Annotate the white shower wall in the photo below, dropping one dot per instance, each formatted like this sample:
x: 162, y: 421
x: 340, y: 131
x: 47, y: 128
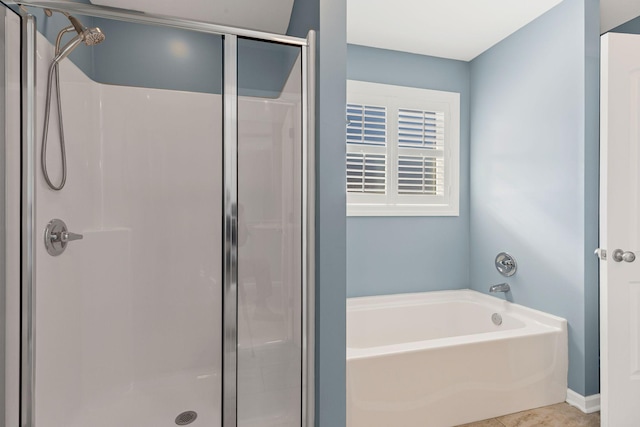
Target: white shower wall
x: 128, y: 320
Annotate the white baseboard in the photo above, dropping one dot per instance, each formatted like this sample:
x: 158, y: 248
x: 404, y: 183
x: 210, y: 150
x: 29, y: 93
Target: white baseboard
x: 587, y: 404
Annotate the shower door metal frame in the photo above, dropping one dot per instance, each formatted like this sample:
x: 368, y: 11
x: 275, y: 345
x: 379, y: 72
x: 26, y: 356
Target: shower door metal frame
x: 230, y: 234
x: 230, y: 190
x: 27, y: 256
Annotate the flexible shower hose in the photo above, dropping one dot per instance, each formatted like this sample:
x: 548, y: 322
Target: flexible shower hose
x: 53, y: 69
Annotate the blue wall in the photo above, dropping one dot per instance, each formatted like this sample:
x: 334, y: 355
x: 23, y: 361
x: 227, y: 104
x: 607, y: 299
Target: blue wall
x: 591, y: 195
x: 170, y: 58
x: 630, y: 27
x: 329, y: 18
x: 534, y: 160
x: 157, y: 57
x: 387, y: 255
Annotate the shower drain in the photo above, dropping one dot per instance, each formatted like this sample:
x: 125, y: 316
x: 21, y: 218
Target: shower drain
x: 187, y: 417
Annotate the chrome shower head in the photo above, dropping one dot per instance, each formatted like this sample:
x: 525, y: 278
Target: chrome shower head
x: 88, y: 36
x: 93, y: 36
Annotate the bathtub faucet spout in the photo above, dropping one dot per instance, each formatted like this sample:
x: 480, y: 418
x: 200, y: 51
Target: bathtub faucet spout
x: 502, y: 287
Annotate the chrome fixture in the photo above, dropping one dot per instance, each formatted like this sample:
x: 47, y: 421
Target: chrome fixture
x: 230, y: 237
x: 601, y: 254
x: 496, y: 319
x: 619, y: 255
x: 506, y: 264
x: 502, y: 287
x: 90, y: 37
x: 57, y: 236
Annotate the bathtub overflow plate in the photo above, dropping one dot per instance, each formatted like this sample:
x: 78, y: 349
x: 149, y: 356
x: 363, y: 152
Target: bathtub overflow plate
x: 496, y: 319
x: 506, y: 264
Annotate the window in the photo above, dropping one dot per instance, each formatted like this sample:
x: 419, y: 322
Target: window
x: 402, y: 151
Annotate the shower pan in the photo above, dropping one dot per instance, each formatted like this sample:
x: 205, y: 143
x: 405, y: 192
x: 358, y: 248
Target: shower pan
x: 179, y: 290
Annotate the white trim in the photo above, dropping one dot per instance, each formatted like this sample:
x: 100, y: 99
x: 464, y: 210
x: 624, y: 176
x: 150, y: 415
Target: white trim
x: 362, y: 209
x: 587, y: 404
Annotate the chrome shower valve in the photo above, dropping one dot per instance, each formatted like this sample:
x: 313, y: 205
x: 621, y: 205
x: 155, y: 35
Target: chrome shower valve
x: 57, y: 236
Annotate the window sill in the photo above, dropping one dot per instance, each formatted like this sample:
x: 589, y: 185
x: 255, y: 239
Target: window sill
x: 401, y: 210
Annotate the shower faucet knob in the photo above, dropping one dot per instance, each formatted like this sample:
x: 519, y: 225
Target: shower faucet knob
x: 57, y: 236
x: 506, y: 264
x: 68, y: 236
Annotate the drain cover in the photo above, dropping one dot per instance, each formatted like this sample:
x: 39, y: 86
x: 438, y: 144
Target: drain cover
x: 187, y: 417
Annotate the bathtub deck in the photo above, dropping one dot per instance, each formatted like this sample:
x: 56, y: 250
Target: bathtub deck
x: 559, y: 415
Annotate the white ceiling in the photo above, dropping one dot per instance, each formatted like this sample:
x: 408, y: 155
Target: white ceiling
x: 460, y: 29
x: 616, y: 12
x: 264, y: 15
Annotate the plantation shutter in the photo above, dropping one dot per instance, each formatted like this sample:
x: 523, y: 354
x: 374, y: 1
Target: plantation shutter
x: 421, y: 145
x: 366, y: 149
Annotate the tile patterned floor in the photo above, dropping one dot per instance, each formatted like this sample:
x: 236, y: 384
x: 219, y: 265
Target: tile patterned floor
x: 559, y: 415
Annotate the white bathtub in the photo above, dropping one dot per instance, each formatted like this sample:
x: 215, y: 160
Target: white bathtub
x: 436, y: 359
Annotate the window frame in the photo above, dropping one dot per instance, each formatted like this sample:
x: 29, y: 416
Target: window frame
x: 395, y: 98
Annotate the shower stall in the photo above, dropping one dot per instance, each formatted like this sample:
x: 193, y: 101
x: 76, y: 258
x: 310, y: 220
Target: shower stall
x: 157, y: 258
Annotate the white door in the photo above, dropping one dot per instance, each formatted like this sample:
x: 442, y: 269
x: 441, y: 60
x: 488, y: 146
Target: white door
x: 620, y: 230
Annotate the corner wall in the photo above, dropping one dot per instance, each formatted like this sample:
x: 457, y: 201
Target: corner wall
x: 329, y: 18
x: 389, y: 255
x: 534, y: 173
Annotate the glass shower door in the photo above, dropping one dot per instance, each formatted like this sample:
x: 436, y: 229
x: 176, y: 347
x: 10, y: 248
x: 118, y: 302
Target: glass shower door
x: 269, y: 234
